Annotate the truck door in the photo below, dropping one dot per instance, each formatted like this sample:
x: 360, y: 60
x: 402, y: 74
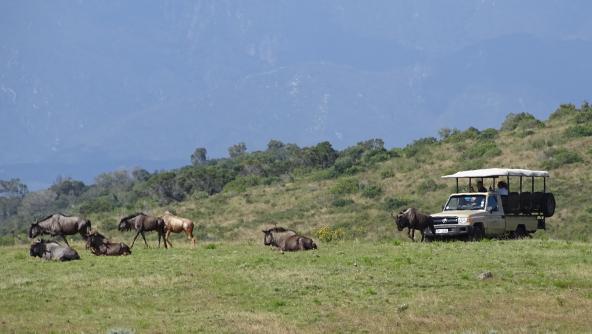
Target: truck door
x: 495, y: 221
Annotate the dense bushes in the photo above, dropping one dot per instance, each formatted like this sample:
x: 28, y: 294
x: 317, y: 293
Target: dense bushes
x: 556, y: 158
x: 481, y: 150
x: 521, y: 121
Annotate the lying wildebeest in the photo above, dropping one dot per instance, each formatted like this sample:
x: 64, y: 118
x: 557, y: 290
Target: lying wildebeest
x: 51, y: 250
x: 413, y: 220
x: 60, y: 225
x: 100, y: 245
x: 176, y: 224
x: 287, y: 240
x: 141, y: 222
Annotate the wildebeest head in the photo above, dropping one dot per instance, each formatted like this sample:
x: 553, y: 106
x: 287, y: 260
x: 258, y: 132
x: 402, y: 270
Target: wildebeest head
x: 401, y: 220
x: 34, y: 230
x: 268, y: 238
x: 37, y: 248
x: 125, y: 224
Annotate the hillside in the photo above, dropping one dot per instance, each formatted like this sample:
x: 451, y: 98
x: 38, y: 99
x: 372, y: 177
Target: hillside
x: 348, y: 193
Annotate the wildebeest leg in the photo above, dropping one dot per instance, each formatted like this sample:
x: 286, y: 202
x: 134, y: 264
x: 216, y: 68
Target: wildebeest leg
x: 136, y: 237
x: 422, y: 235
x: 190, y: 237
x: 167, y: 236
x: 146, y: 242
x: 65, y: 240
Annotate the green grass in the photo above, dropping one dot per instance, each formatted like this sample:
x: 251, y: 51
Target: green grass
x: 347, y: 286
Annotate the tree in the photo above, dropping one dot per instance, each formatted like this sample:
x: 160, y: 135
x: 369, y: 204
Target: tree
x: 13, y: 188
x: 140, y: 174
x: 237, y: 150
x: 199, y: 156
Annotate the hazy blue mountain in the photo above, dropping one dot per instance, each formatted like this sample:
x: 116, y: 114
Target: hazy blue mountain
x: 92, y: 86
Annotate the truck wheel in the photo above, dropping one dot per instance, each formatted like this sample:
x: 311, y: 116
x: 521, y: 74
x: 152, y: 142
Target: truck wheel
x: 521, y: 232
x: 477, y: 233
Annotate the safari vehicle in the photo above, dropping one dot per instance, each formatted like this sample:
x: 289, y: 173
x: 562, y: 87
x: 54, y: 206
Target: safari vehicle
x: 474, y: 215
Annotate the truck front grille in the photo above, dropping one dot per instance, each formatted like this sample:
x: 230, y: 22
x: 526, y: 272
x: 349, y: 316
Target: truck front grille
x: 445, y: 220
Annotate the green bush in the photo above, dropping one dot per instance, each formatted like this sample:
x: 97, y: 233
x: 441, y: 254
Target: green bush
x: 481, y: 150
x: 429, y: 185
x: 241, y: 183
x: 563, y: 111
x: 560, y: 157
x: 579, y: 131
x: 371, y: 191
x: 341, y: 202
x: 521, y: 121
x: 387, y: 173
x: 394, y: 204
x: 344, y: 186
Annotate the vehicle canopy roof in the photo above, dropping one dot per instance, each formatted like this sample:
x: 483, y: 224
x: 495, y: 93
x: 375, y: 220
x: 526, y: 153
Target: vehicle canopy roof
x: 496, y: 172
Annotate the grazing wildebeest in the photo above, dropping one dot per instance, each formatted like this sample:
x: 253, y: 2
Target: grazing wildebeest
x: 287, y: 240
x: 141, y: 222
x: 176, y: 224
x: 413, y: 220
x: 100, y: 245
x: 59, y: 224
x: 51, y: 250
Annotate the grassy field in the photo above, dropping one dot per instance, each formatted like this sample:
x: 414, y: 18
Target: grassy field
x: 347, y: 286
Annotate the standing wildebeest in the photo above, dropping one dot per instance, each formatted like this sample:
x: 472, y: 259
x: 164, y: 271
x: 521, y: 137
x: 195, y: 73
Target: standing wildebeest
x: 287, y: 240
x: 51, y: 250
x: 177, y: 224
x: 100, y: 245
x: 141, y: 222
x: 59, y: 224
x: 413, y: 220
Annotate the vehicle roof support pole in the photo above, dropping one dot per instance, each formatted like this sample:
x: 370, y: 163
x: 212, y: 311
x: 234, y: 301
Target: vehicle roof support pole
x: 521, y: 184
x: 457, y: 185
x: 532, y: 191
x: 508, y: 177
x: 544, y: 184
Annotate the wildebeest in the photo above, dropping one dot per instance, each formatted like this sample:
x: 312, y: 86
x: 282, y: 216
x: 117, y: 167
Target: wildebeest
x: 176, y: 224
x: 413, y: 220
x: 51, y: 250
x: 141, y: 222
x: 100, y: 245
x: 60, y: 225
x: 287, y: 240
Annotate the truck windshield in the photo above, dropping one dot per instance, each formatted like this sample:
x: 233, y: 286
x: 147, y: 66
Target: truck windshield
x: 465, y: 202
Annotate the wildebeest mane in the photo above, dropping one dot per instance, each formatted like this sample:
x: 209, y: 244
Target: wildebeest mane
x: 133, y: 215
x: 280, y: 229
x: 44, y: 218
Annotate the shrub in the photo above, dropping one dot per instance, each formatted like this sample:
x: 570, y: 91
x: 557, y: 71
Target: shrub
x: 481, y: 150
x: 429, y: 185
x: 488, y: 134
x: 387, y: 173
x: 327, y: 234
x: 563, y: 111
x: 341, y: 202
x: 240, y: 184
x: 393, y: 204
x: 345, y: 186
x: 559, y: 157
x: 371, y: 191
x: 579, y: 131
x: 522, y: 120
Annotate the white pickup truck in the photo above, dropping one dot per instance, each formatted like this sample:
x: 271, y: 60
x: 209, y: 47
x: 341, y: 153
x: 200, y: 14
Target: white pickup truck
x: 494, y: 212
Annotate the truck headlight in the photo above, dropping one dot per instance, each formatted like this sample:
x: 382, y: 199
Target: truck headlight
x: 462, y: 220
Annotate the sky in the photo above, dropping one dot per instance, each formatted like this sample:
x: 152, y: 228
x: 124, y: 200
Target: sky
x: 94, y: 86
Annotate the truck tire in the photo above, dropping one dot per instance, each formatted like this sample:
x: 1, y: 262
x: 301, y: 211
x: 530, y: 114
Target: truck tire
x: 549, y: 205
x: 520, y: 232
x: 477, y: 233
